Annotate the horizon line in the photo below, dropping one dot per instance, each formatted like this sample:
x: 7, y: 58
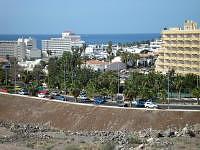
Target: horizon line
x: 75, y: 33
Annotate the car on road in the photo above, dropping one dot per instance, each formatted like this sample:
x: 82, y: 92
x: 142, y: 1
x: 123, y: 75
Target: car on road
x: 83, y: 98
x: 23, y: 92
x: 58, y: 97
x: 99, y: 100
x: 139, y: 103
x: 43, y: 93
x: 122, y: 104
x: 149, y: 104
x: 4, y: 90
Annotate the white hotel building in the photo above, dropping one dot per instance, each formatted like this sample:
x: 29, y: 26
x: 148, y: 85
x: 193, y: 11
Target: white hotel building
x: 59, y: 45
x: 17, y: 48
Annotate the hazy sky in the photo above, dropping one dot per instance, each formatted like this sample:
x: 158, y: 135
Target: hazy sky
x: 94, y: 16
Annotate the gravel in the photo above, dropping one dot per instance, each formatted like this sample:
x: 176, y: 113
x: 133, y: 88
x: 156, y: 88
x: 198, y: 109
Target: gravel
x: 21, y: 133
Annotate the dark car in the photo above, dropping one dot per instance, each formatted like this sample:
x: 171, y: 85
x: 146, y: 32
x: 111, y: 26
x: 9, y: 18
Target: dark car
x: 23, y: 92
x: 58, y: 97
x: 99, y: 100
x: 139, y: 103
x: 122, y: 104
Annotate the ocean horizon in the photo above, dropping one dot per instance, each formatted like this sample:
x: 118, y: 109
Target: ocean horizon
x: 88, y: 38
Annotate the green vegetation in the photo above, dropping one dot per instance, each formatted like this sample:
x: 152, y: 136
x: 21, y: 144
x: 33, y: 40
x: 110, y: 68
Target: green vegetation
x: 68, y: 73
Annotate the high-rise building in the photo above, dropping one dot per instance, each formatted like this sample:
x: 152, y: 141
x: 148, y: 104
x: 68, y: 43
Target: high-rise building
x: 180, y: 50
x: 8, y: 48
x: 16, y: 48
x: 56, y: 46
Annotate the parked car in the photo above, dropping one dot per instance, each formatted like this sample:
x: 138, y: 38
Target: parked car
x: 99, y: 100
x: 43, y: 93
x: 58, y: 97
x: 122, y: 104
x: 150, y: 105
x: 83, y: 98
x: 23, y: 92
x: 119, y: 97
x: 139, y: 103
x: 4, y: 90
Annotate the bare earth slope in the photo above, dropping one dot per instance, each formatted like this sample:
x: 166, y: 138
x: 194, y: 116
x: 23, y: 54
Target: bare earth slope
x: 78, y: 117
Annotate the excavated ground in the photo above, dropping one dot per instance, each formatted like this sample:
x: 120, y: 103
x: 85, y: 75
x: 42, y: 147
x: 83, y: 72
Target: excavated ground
x: 89, y: 118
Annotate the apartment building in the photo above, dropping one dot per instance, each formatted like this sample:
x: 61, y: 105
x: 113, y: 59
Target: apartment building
x: 16, y: 48
x: 56, y: 46
x: 8, y: 48
x: 180, y: 50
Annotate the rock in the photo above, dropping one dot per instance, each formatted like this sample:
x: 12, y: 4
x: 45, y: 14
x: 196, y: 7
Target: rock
x: 150, y: 140
x: 185, y: 130
x: 159, y: 135
x: 141, y: 146
x: 191, y: 133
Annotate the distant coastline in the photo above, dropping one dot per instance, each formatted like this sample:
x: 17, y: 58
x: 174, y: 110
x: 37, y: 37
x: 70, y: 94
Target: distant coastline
x: 88, y: 38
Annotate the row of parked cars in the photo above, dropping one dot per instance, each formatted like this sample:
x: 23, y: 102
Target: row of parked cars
x: 141, y: 103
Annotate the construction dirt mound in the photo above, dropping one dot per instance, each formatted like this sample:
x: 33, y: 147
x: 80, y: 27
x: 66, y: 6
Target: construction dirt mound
x: 75, y: 117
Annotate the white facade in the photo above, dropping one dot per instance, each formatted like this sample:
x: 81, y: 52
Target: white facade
x: 29, y: 65
x: 16, y: 48
x: 8, y: 48
x: 56, y: 46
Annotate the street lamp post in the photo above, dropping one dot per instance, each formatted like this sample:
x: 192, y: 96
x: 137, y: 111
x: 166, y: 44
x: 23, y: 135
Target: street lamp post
x: 168, y: 90
x: 118, y: 78
x: 15, y: 73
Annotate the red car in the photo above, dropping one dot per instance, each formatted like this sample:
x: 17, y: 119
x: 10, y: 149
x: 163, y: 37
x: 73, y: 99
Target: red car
x: 4, y: 90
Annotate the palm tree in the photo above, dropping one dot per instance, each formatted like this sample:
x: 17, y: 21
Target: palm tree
x: 84, y: 48
x: 178, y: 84
x: 133, y: 58
x: 163, y: 95
x: 196, y: 93
x: 109, y: 50
x: 125, y: 57
x: 49, y: 52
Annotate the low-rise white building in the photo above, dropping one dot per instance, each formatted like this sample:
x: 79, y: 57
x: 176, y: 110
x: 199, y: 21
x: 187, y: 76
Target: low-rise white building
x: 96, y: 65
x: 29, y: 65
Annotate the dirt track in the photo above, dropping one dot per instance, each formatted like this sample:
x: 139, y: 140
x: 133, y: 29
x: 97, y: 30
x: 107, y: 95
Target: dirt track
x: 74, y: 117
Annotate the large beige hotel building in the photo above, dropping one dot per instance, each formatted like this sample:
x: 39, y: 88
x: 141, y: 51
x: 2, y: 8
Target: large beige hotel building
x: 180, y: 50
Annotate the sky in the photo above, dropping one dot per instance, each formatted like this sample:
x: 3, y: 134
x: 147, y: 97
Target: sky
x: 94, y: 16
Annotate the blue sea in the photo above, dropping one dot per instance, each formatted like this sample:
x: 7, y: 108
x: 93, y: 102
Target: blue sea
x: 89, y: 38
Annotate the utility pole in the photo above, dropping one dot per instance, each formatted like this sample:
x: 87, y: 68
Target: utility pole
x: 65, y: 77
x: 168, y: 90
x: 118, y: 77
x: 15, y: 73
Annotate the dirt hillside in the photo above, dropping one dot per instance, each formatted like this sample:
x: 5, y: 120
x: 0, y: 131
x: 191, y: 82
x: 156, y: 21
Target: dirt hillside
x: 75, y: 118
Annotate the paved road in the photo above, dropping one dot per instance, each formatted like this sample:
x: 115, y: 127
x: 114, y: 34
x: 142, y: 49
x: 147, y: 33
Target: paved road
x: 161, y: 106
x: 178, y: 106
x: 114, y: 104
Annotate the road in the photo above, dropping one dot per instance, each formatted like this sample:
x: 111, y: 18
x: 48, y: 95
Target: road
x: 114, y: 104
x: 179, y: 106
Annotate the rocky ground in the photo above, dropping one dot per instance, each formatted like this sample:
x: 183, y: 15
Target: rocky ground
x: 18, y: 136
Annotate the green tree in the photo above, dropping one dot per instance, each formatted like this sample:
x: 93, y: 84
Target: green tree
x: 38, y: 73
x: 54, y: 70
x: 163, y: 95
x: 132, y: 86
x: 178, y: 84
x: 75, y: 93
x: 107, y: 80
x: 2, y: 74
x: 196, y: 93
x: 91, y: 89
